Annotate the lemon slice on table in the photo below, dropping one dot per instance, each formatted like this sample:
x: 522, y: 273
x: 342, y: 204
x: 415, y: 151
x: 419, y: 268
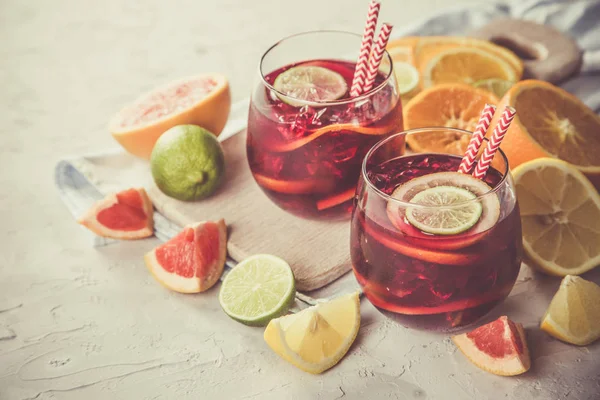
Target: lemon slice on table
x: 574, y: 312
x: 560, y: 214
x: 316, y: 338
x: 303, y: 84
x: 258, y: 289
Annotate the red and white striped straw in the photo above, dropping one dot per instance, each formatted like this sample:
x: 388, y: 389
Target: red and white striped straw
x: 376, y: 56
x: 477, y: 138
x: 360, y: 73
x: 492, y: 147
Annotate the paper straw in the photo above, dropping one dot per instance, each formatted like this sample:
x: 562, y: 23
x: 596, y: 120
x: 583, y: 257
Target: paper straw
x: 477, y: 138
x: 376, y: 56
x: 360, y: 73
x: 492, y: 147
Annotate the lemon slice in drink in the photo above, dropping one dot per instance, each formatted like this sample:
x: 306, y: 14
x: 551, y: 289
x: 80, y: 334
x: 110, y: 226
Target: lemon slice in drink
x: 312, y: 83
x: 574, y: 312
x: 258, y: 289
x: 449, y: 205
x: 316, y: 338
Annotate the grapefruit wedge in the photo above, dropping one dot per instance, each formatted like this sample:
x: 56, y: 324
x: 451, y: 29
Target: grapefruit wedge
x: 192, y: 261
x: 202, y: 100
x: 124, y: 215
x: 498, y: 347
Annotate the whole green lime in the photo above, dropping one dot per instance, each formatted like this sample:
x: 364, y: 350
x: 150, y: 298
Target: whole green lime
x: 187, y: 163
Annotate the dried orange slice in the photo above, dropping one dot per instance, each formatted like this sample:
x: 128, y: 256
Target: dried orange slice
x: 551, y: 122
x: 452, y: 105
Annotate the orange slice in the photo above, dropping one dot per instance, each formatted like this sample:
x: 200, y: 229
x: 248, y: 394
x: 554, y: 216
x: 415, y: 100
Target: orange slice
x: 282, y: 147
x: 426, y: 47
x: 301, y: 186
x: 464, y: 258
x: 551, y: 122
x: 464, y: 65
x: 452, y: 105
x: 200, y: 100
x: 403, y: 49
x: 336, y: 199
x: 453, y: 306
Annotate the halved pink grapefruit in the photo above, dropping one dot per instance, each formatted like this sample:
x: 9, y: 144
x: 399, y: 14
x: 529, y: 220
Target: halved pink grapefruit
x: 202, y: 100
x: 192, y: 261
x: 124, y: 215
x: 498, y: 347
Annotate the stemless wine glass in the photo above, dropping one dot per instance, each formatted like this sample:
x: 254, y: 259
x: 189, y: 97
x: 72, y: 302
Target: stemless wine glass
x: 435, y: 248
x: 306, y: 136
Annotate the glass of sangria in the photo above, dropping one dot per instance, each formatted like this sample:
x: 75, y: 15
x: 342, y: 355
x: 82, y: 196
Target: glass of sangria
x: 431, y: 247
x: 306, y: 136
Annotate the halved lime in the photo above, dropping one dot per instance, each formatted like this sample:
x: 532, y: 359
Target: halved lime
x: 310, y: 84
x: 442, y: 194
x: 495, y: 85
x: 406, y: 75
x: 258, y: 289
x: 444, y: 221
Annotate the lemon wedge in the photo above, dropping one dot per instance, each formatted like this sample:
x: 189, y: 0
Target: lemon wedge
x: 574, y: 312
x: 560, y: 214
x: 316, y: 338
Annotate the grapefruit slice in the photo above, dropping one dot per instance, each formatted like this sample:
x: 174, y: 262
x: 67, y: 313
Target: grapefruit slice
x: 202, y: 100
x: 498, y: 347
x: 192, y: 261
x: 125, y: 215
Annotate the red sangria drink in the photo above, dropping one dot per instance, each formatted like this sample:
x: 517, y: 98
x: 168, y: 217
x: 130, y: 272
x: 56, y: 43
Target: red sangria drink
x: 436, y: 248
x: 306, y: 136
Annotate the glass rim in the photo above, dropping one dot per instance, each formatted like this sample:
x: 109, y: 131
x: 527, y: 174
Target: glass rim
x: 364, y: 96
x: 407, y: 204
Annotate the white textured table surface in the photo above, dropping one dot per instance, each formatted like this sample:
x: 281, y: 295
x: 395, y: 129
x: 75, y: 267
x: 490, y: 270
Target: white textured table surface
x: 83, y: 323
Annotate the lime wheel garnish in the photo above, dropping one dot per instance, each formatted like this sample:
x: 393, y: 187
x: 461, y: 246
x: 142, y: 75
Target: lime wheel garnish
x: 303, y: 84
x: 446, y: 203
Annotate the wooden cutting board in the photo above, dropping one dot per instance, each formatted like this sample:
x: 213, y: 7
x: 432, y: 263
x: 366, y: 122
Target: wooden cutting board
x: 547, y: 53
x: 318, y: 252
